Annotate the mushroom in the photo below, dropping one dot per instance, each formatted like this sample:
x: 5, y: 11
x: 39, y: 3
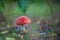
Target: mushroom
x: 23, y: 20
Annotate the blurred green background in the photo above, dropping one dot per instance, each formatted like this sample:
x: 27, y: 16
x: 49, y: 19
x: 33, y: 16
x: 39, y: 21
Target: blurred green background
x: 35, y: 9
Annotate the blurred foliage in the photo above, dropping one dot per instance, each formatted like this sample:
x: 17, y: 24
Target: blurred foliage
x: 38, y: 9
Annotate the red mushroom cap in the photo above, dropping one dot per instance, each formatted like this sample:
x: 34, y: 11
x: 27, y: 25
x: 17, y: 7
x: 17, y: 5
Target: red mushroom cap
x: 23, y: 20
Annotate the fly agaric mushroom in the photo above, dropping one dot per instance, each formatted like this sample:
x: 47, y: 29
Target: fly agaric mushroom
x: 23, y: 20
